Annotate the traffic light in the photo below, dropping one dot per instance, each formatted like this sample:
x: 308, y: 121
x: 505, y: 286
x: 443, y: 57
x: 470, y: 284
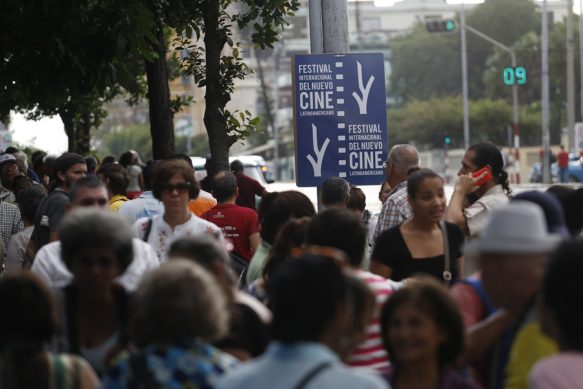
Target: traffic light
x: 447, y: 140
x: 439, y: 25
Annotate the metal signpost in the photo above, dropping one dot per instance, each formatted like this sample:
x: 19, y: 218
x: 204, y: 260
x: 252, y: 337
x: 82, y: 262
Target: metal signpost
x: 340, y: 118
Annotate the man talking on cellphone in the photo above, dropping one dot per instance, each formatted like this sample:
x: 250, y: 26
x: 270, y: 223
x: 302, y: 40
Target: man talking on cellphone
x: 475, y: 194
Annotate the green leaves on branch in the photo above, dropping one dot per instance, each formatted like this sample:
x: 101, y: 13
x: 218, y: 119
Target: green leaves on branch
x: 240, y: 124
x: 265, y: 18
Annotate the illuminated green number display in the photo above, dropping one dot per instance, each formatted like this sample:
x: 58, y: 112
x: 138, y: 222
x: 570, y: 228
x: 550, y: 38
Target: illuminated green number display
x: 515, y: 75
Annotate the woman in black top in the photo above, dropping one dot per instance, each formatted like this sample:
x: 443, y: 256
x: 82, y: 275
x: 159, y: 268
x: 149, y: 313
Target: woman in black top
x: 416, y: 245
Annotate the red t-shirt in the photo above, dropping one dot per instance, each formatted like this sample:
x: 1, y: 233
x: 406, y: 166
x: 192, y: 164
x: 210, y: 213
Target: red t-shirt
x: 237, y: 223
x: 248, y: 188
x: 563, y: 159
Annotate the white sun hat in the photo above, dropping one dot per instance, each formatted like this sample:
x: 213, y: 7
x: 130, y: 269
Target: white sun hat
x: 516, y: 228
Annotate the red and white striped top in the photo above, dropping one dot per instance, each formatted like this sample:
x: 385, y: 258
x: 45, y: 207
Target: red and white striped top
x: 371, y: 353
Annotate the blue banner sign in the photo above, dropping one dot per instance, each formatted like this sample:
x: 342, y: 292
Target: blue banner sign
x: 340, y: 118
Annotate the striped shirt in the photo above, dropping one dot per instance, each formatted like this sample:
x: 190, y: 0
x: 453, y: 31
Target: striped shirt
x: 371, y: 353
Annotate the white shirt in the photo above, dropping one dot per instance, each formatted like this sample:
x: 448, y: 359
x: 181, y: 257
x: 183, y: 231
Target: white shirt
x: 477, y: 214
x: 15, y: 253
x: 145, y: 205
x: 161, y: 234
x: 51, y: 268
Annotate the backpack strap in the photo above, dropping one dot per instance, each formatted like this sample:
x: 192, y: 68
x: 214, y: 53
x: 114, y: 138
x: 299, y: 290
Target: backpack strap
x: 148, y: 229
x: 447, y: 276
x: 58, y: 371
x: 312, y: 373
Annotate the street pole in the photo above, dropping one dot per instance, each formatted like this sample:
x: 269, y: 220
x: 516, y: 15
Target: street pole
x: 328, y: 34
x: 570, y: 78
x: 316, y: 36
x: 275, y: 128
x: 545, y: 94
x: 335, y: 26
x: 580, y: 60
x: 465, y: 80
x: 515, y: 110
x: 516, y: 124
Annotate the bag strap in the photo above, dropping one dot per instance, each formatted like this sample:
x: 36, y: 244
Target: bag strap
x: 447, y: 258
x: 58, y: 371
x: 312, y: 373
x: 148, y: 229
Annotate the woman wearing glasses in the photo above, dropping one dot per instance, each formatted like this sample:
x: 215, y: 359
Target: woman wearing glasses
x: 174, y: 185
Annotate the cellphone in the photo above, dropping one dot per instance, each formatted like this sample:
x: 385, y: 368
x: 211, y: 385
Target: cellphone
x: 484, y: 179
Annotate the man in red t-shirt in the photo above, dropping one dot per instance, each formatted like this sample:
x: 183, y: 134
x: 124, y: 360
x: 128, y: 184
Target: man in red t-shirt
x: 240, y: 225
x: 563, y: 162
x: 248, y: 187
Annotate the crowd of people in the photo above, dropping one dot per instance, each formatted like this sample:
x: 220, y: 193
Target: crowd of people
x: 136, y: 275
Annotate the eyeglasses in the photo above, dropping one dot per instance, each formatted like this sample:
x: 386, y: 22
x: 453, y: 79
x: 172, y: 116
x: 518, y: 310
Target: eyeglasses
x: 179, y: 188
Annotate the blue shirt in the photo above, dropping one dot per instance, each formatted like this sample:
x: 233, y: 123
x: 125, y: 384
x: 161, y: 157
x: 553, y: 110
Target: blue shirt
x: 283, y: 366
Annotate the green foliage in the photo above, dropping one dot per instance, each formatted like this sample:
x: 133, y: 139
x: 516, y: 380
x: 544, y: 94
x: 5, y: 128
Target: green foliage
x: 265, y: 18
x: 427, y: 122
x: 135, y: 137
x: 138, y: 138
x: 527, y: 50
x: 67, y: 57
x: 425, y: 65
x: 428, y: 65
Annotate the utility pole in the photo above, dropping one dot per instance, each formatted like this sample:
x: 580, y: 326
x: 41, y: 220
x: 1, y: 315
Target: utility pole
x: 316, y: 35
x: 570, y: 78
x: 515, y: 110
x: 580, y: 59
x: 328, y: 33
x: 335, y: 26
x: 465, y: 96
x: 275, y: 128
x: 358, y: 24
x: 545, y: 94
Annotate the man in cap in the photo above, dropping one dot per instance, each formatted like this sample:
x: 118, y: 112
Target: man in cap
x: 67, y: 169
x: 8, y: 172
x: 513, y: 250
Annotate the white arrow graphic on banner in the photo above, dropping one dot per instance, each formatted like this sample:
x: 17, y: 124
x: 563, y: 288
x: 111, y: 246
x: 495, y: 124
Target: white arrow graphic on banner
x: 362, y: 102
x: 317, y: 165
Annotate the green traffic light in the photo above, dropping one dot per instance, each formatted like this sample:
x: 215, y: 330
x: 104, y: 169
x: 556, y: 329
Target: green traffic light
x: 447, y: 140
x: 450, y: 25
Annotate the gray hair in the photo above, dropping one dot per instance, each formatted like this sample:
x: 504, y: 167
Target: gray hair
x: 404, y: 157
x: 89, y: 227
x: 176, y: 302
x: 335, y: 190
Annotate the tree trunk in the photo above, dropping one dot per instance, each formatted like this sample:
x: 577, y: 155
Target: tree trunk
x: 216, y: 100
x: 161, y: 115
x: 68, y: 118
x: 83, y: 146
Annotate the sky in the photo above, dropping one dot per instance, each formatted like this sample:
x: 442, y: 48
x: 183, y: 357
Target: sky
x: 47, y: 134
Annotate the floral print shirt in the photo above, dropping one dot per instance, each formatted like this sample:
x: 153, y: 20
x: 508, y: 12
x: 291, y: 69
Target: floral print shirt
x: 190, y: 365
